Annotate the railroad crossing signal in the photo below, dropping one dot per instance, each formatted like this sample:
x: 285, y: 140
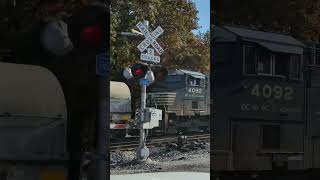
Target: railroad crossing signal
x: 150, y: 38
x: 146, y: 76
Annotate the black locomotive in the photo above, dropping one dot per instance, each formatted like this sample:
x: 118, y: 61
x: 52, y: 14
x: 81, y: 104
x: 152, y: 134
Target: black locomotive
x: 266, y: 101
x: 184, y: 97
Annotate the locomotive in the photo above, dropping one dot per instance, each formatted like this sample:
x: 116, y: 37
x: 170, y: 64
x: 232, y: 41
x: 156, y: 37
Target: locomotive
x: 184, y: 97
x: 266, y: 87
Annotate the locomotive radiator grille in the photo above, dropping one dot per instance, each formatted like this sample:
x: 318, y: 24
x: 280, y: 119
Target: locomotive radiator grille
x: 314, y: 77
x: 161, y: 99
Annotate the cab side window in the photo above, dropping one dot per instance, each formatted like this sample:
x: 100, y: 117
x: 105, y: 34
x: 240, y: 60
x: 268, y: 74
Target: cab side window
x: 295, y: 67
x: 192, y: 81
x: 264, y: 65
x: 249, y: 59
x: 195, y: 81
x: 281, y: 64
x: 313, y: 55
x: 258, y: 61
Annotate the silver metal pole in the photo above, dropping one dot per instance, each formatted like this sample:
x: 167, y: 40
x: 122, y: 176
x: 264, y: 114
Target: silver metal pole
x: 143, y: 151
x: 143, y: 106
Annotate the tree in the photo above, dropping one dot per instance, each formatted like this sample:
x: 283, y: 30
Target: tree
x: 193, y: 55
x: 312, y: 13
x: 285, y: 16
x: 177, y: 17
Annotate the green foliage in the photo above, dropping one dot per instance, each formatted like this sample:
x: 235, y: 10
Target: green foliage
x: 177, y: 17
x: 193, y: 55
x: 312, y: 13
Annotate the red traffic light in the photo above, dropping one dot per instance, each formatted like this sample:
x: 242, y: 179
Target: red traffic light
x: 139, y: 70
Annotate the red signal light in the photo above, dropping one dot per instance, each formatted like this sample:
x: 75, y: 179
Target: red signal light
x: 92, y: 35
x: 87, y: 28
x: 138, y: 72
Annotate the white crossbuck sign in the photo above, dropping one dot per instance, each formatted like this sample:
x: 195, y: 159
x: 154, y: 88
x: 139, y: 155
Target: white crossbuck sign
x: 150, y: 38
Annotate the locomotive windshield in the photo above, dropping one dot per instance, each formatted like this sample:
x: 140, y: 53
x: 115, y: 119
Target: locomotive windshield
x: 197, y: 82
x: 174, y: 79
x: 170, y: 84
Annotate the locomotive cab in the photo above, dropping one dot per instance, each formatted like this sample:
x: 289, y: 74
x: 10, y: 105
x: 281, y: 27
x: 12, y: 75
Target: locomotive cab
x: 258, y: 95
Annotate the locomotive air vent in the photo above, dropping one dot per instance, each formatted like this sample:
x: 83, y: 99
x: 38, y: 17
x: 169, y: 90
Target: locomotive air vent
x: 161, y: 99
x: 315, y: 77
x: 283, y: 115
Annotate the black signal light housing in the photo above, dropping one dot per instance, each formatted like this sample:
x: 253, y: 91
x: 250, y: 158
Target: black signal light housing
x: 88, y: 28
x: 139, y: 70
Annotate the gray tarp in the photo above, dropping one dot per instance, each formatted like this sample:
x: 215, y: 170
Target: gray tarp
x: 31, y: 91
x: 33, y: 113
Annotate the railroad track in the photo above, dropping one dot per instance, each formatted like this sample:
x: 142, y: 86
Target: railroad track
x: 156, y: 141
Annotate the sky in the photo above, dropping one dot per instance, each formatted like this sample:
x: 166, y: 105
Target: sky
x: 203, y: 7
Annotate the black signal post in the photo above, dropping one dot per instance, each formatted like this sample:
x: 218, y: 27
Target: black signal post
x: 75, y: 50
x: 88, y: 31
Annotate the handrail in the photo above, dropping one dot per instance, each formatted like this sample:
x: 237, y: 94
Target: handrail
x: 279, y: 153
x: 27, y: 115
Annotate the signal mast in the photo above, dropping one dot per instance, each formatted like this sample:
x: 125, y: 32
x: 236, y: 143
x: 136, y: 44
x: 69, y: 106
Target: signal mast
x: 148, y: 118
